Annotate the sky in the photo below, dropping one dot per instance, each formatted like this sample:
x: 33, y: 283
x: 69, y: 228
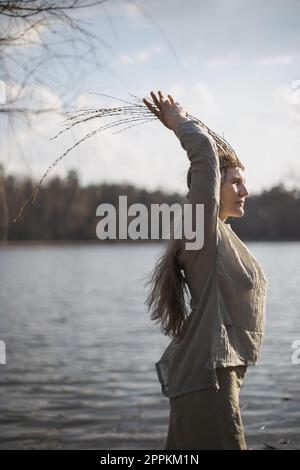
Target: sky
x: 234, y: 64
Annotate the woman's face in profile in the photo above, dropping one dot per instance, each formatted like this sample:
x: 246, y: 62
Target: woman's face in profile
x: 232, y: 194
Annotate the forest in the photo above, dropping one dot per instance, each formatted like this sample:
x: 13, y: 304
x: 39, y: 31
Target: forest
x: 66, y: 210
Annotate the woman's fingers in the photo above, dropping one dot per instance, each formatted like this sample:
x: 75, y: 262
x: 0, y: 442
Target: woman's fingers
x: 171, y: 99
x: 153, y: 95
x: 161, y: 96
x: 164, y: 100
x: 158, y: 109
x: 150, y: 107
x: 169, y: 112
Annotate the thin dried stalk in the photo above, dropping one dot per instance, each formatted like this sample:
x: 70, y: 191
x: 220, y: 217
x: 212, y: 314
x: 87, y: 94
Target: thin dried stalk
x: 134, y: 113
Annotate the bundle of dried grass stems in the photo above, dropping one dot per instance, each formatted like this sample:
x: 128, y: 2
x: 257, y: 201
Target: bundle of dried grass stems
x: 131, y: 113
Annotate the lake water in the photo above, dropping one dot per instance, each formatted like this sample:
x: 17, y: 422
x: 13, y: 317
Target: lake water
x: 81, y: 349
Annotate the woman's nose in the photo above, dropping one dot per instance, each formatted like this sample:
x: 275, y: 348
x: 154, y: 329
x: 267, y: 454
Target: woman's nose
x: 244, y: 191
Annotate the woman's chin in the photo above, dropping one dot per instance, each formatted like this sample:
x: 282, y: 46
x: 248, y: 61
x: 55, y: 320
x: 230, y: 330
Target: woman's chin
x: 240, y: 212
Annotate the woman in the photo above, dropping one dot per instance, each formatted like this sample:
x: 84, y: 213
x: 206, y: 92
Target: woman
x: 203, y: 367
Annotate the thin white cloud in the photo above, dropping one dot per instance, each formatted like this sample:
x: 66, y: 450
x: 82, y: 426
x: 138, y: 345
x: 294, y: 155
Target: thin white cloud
x: 287, y: 96
x: 33, y: 96
x: 206, y: 99
x: 141, y: 56
x: 177, y: 90
x: 195, y: 96
x: 219, y: 62
x: 190, y: 60
x: 131, y: 10
x: 284, y: 59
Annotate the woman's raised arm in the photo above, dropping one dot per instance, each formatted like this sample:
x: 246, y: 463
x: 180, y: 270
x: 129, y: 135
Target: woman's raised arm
x: 204, y: 161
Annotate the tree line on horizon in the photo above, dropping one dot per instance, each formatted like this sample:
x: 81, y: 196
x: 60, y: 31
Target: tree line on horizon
x: 65, y: 210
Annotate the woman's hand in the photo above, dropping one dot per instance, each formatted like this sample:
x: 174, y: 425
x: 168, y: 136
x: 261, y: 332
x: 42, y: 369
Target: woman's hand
x: 171, y: 114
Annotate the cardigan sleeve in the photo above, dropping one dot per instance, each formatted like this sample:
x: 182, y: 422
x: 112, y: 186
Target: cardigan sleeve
x: 205, y: 177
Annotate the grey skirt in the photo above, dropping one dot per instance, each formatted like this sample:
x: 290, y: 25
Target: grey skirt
x: 209, y: 418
